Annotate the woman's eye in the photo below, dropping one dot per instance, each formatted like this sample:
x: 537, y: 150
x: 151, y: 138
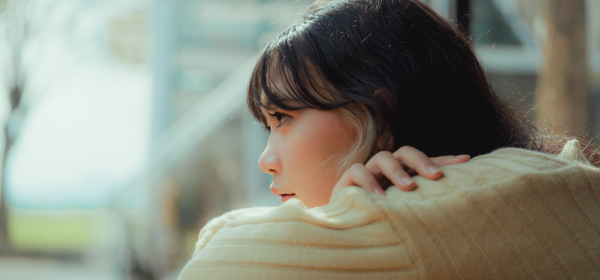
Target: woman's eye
x: 280, y: 117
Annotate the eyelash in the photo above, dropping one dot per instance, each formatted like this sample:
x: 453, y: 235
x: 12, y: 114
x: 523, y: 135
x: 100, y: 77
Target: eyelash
x: 278, y: 116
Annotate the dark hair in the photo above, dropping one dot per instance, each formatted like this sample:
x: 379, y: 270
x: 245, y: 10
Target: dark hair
x: 416, y: 73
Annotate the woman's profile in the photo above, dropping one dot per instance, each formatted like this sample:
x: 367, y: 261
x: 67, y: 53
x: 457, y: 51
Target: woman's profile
x: 358, y: 97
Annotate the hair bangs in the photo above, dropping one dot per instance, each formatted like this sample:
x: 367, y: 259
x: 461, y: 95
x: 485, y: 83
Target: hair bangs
x: 285, y: 77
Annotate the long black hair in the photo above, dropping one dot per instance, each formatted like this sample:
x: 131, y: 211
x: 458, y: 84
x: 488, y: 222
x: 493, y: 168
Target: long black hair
x: 415, y: 72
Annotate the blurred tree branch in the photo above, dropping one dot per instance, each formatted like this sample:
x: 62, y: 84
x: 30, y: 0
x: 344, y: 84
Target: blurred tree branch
x: 562, y: 85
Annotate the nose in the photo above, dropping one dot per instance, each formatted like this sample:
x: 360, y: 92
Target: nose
x: 269, y: 160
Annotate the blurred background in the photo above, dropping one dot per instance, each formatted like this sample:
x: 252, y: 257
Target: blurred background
x: 126, y: 130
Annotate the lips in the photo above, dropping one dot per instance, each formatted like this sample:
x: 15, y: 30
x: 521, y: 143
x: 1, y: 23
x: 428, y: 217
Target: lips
x: 285, y: 197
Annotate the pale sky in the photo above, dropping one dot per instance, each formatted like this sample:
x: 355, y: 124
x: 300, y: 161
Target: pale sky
x: 82, y: 139
x: 87, y: 129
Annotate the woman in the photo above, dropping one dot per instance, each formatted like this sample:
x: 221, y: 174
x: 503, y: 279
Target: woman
x: 354, y: 94
x: 392, y: 69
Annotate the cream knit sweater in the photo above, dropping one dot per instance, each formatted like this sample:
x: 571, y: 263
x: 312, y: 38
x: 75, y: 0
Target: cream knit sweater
x: 510, y: 214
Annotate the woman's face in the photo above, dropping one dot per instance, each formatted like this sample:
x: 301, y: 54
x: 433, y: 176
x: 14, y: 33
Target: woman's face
x: 303, y: 153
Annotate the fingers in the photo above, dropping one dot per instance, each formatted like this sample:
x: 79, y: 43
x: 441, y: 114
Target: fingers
x: 418, y: 161
x: 358, y: 175
x: 448, y: 160
x: 385, y: 164
x: 407, y: 161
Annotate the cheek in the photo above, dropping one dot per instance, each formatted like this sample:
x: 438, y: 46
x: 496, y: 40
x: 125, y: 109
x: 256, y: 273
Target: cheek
x: 318, y: 148
x: 334, y: 138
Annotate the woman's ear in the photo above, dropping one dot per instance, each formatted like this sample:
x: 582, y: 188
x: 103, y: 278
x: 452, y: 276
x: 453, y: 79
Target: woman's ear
x: 385, y: 142
x: 384, y: 95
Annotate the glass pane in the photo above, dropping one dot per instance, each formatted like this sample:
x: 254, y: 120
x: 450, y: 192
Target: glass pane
x: 488, y: 26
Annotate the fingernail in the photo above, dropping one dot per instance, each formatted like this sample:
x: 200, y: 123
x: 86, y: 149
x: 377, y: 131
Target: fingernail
x: 465, y: 156
x: 433, y: 169
x: 399, y: 178
x: 407, y: 181
x: 379, y: 191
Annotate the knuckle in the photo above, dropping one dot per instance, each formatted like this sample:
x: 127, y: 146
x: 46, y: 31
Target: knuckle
x: 402, y: 150
x: 356, y: 167
x: 406, y: 148
x: 382, y: 154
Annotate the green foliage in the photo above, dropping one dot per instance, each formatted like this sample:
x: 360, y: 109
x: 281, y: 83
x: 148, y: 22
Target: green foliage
x: 51, y: 232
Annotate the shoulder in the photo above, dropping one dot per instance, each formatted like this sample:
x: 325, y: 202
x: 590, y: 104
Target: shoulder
x: 509, y: 214
x: 216, y: 224
x: 291, y: 240
x: 292, y: 222
x: 504, y: 168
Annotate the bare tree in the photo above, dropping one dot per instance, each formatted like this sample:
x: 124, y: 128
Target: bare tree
x: 15, y: 33
x: 562, y: 86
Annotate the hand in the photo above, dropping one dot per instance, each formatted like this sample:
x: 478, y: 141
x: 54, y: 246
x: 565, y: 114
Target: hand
x: 386, y: 168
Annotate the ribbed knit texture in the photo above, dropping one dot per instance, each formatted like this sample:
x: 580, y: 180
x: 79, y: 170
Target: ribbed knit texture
x: 511, y: 214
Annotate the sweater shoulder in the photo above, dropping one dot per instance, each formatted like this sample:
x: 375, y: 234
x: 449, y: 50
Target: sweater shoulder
x: 510, y: 214
x: 218, y: 223
x: 349, y: 208
x: 316, y: 243
x: 503, y: 167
